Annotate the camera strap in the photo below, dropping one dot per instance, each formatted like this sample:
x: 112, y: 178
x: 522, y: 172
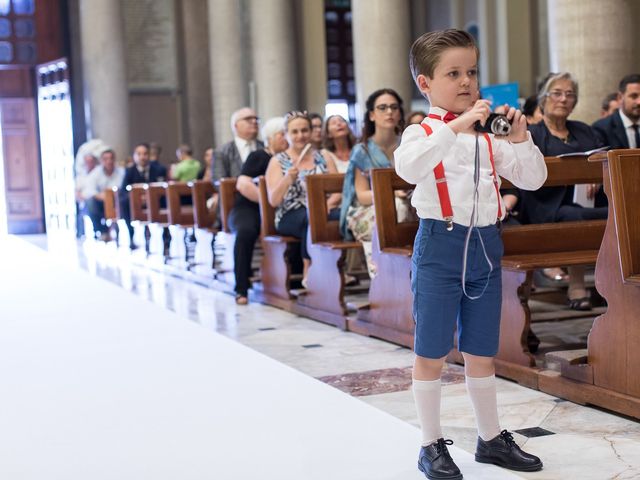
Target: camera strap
x: 493, y: 171
x: 473, y: 224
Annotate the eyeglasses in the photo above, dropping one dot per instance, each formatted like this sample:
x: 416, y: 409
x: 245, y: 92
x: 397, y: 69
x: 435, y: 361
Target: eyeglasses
x: 558, y: 94
x: 383, y: 107
x: 251, y: 119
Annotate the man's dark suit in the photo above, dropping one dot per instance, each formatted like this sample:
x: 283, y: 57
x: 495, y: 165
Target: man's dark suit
x: 157, y: 173
x: 227, y: 161
x: 611, y: 131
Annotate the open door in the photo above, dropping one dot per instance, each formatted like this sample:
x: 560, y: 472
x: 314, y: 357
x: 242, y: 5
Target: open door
x: 56, y: 145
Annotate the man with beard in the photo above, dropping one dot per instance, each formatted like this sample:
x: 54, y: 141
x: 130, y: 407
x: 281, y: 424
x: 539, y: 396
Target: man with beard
x: 622, y: 128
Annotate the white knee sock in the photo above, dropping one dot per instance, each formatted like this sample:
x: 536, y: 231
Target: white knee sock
x: 485, y: 405
x: 427, y: 397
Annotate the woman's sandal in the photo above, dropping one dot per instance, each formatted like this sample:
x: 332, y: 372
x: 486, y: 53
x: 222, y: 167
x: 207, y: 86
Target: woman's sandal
x: 241, y: 299
x: 555, y: 275
x: 581, y: 304
x: 350, y: 280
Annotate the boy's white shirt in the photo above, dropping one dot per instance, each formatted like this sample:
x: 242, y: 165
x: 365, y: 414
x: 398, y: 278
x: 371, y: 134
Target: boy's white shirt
x: 418, y: 154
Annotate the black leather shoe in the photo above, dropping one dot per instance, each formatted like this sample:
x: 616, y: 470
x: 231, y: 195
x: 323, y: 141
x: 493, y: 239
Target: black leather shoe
x: 436, y: 463
x: 505, y: 452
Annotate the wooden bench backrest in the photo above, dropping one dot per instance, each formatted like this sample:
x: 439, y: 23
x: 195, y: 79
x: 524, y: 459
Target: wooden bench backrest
x: 318, y: 188
x: 568, y: 171
x: 201, y: 191
x: 138, y: 202
x: 179, y: 214
x: 267, y: 212
x: 111, y: 207
x: 391, y: 234
x: 553, y: 237
x: 227, y: 199
x: 155, y: 193
x: 624, y: 173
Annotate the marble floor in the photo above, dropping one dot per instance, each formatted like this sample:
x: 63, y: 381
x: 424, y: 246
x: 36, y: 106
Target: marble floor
x: 573, y: 441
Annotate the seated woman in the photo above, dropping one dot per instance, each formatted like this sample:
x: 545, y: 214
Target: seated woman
x: 338, y: 143
x: 556, y: 135
x: 383, y: 123
x: 415, y: 117
x: 244, y: 219
x: 206, y: 172
x: 286, y: 186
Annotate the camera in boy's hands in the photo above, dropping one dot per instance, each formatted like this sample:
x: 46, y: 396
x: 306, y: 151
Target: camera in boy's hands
x: 496, y: 123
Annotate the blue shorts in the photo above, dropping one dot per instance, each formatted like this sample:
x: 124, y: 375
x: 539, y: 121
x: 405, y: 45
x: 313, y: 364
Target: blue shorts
x: 438, y: 299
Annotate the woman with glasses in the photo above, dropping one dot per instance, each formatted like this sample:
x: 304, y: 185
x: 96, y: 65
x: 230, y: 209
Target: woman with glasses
x: 383, y: 123
x: 285, y: 179
x: 556, y: 135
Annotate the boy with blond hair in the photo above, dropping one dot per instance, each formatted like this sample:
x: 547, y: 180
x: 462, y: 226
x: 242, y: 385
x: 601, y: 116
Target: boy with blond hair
x: 456, y: 275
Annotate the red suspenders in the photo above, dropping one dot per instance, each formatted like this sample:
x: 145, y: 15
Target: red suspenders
x: 441, y: 180
x: 443, y: 189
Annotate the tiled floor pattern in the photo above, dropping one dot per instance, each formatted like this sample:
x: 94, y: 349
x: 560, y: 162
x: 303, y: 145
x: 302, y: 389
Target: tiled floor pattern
x: 578, y: 442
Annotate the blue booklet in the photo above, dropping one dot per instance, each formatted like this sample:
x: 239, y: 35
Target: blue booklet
x: 501, y: 94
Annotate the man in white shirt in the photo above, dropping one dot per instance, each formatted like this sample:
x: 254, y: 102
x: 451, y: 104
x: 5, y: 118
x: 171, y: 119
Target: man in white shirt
x: 101, y: 178
x: 228, y: 159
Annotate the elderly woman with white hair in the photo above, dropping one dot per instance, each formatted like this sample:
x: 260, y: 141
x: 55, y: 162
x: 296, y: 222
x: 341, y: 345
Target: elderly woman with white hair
x: 244, y: 219
x: 556, y: 135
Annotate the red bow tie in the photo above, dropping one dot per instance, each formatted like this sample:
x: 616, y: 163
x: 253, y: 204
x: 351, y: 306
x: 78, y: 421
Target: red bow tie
x: 448, y: 117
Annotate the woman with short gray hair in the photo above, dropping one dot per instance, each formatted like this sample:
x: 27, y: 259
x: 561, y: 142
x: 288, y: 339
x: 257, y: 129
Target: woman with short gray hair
x: 557, y: 135
x: 244, y: 219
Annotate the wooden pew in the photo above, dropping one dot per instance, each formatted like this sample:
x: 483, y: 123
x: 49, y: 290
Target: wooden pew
x: 389, y: 314
x: 607, y: 376
x: 228, y: 190
x: 276, y: 268
x: 528, y: 248
x: 226, y: 238
x: 139, y: 210
x: 531, y: 247
x: 204, y: 218
x: 112, y: 210
x: 158, y: 213
x: 324, y: 296
x: 138, y: 202
x: 182, y: 216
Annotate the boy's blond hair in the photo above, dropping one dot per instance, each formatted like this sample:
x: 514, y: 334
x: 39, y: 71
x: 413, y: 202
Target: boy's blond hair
x: 426, y: 51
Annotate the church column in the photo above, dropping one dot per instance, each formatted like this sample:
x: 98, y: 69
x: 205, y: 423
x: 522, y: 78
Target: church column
x: 312, y: 56
x: 595, y: 42
x: 273, y: 49
x: 197, y: 80
x: 226, y: 54
x: 456, y: 14
x: 104, y: 71
x: 381, y: 42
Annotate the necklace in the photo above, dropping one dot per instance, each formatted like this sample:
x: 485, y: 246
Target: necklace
x: 556, y: 133
x: 563, y: 138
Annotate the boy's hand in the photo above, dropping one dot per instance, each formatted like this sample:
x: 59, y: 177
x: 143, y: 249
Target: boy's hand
x: 479, y: 112
x: 518, y: 124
